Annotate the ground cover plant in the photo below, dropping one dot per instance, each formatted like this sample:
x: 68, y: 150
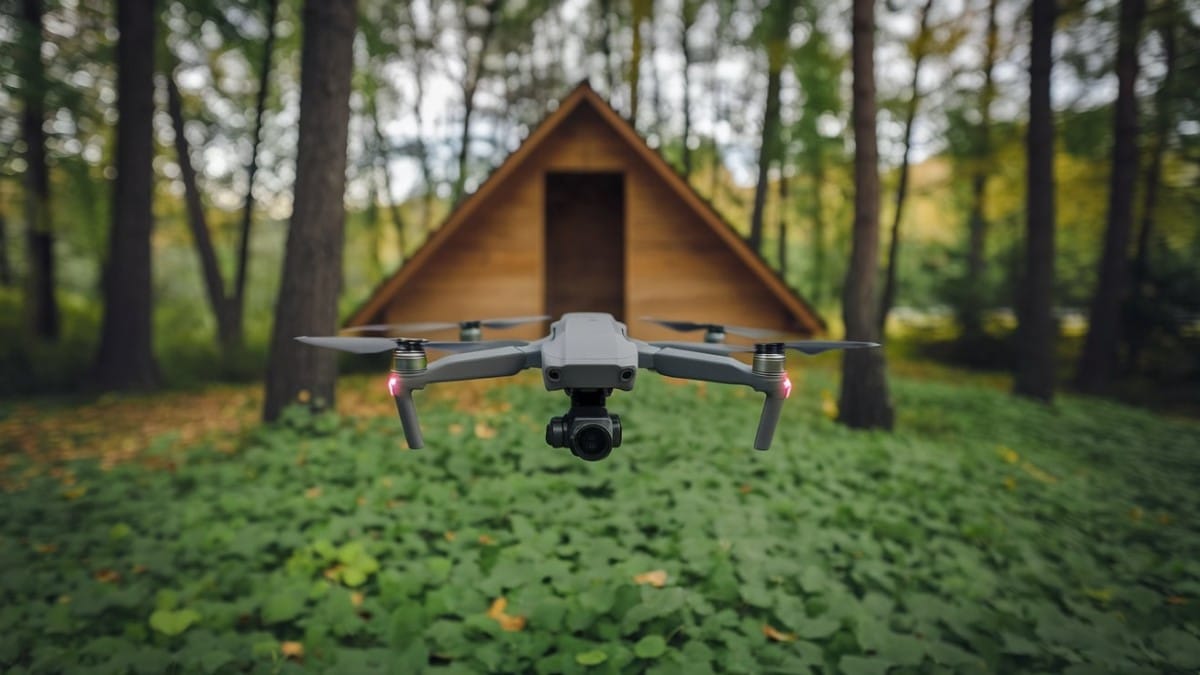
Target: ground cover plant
x: 986, y: 535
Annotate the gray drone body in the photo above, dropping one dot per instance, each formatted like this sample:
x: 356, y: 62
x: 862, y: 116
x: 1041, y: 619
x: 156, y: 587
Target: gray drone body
x: 586, y: 355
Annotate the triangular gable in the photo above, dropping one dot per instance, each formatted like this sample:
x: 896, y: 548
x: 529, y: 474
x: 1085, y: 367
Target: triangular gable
x: 585, y: 95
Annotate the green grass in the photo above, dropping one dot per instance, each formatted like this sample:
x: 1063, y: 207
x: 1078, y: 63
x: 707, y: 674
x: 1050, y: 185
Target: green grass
x: 986, y: 535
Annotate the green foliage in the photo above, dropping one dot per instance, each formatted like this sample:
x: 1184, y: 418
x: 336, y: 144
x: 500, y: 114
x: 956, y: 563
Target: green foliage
x: 987, y: 533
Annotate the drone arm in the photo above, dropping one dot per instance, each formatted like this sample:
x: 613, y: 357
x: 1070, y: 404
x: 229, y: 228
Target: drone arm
x: 499, y: 362
x: 694, y: 365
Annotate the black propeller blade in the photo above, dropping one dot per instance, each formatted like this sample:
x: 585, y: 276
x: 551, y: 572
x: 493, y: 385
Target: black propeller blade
x: 500, y: 323
x: 809, y: 347
x: 687, y: 326
x: 374, y: 345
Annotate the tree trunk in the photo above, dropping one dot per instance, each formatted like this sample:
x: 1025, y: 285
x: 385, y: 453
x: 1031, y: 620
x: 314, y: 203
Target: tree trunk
x: 385, y: 173
x: 1036, y: 329
x: 783, y: 226
x: 640, y: 10
x: 688, y: 15
x: 213, y: 284
x: 970, y: 313
x: 41, y: 306
x: 423, y: 150
x: 1163, y: 122
x: 237, y: 309
x: 818, y: 236
x: 6, y: 277
x: 474, y: 75
x: 767, y: 150
x: 864, y: 402
x: 312, y: 266
x: 910, y: 116
x: 125, y: 359
x: 610, y: 71
x: 1098, y: 364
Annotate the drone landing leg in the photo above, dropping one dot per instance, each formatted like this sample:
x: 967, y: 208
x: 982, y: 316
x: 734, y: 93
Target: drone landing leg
x: 408, y: 419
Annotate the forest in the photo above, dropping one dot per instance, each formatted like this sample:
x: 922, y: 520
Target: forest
x: 1004, y: 193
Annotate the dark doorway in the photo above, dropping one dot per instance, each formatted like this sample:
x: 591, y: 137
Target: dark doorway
x: 585, y: 243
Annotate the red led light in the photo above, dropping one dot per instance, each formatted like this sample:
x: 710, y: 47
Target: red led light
x: 394, y: 384
x: 787, y: 386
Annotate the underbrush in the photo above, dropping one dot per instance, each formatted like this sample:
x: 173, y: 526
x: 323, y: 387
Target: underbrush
x: 986, y: 535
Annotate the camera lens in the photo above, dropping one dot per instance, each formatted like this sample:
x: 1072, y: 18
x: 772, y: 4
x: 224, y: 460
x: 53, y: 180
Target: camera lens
x: 592, y: 443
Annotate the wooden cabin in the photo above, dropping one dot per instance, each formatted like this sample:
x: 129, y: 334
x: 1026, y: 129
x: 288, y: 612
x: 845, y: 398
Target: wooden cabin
x: 584, y: 216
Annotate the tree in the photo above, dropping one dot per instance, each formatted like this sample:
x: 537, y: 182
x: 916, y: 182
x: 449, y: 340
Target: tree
x: 474, y: 64
x: 864, y: 402
x: 312, y: 266
x: 126, y: 356
x: 920, y: 50
x: 1164, y: 116
x: 970, y: 316
x: 1036, y: 330
x: 641, y: 10
x: 1098, y: 364
x: 40, y: 304
x: 777, y: 26
x: 687, y: 13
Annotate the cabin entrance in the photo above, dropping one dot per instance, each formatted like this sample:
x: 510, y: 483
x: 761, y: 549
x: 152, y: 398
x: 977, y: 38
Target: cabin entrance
x: 585, y: 243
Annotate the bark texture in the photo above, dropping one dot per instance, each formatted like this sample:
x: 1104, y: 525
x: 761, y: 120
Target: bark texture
x: 41, y: 307
x: 1036, y: 329
x: 312, y: 268
x: 1098, y: 364
x: 864, y: 401
x: 125, y: 360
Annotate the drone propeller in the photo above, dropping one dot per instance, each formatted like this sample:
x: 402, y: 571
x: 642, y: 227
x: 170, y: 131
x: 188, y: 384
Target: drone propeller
x: 688, y: 326
x: 809, y: 347
x: 374, y: 345
x: 501, y: 323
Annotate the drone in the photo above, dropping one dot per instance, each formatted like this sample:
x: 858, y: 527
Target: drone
x: 587, y: 355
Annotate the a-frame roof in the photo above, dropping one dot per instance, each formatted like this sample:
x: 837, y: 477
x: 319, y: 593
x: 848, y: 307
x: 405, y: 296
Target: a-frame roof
x: 584, y: 95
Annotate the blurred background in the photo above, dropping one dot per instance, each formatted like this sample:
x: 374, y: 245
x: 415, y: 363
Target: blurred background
x: 743, y: 101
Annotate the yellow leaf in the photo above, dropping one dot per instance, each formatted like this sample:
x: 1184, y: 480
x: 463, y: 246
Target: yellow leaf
x: 356, y: 598
x: 829, y: 404
x: 486, y: 540
x: 776, y: 635
x: 482, y: 430
x: 304, y: 396
x: 107, y: 576
x: 1010, y: 483
x: 745, y: 489
x: 75, y: 492
x: 1136, y: 513
x: 1099, y: 594
x: 334, y: 572
x: 313, y: 492
x: 292, y: 650
x: 1008, y: 454
x: 450, y: 535
x: 507, y: 622
x: 656, y: 578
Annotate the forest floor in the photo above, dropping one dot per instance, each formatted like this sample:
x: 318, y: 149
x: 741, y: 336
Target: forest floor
x: 986, y: 534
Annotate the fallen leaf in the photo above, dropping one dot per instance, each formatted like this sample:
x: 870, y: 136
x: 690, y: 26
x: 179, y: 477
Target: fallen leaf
x: 656, y: 578
x: 45, y: 548
x: 455, y: 429
x: 1010, y: 483
x: 507, y: 622
x: 107, y: 576
x: 776, y: 635
x: 334, y: 572
x: 313, y: 492
x: 292, y: 650
x: 1008, y: 454
x: 486, y: 540
x: 356, y: 598
x: 304, y: 396
x: 450, y: 535
x: 482, y: 430
x: 745, y: 489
